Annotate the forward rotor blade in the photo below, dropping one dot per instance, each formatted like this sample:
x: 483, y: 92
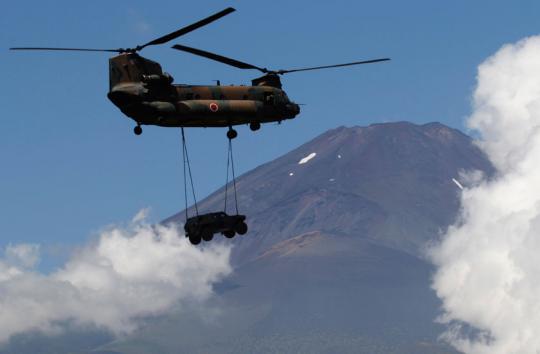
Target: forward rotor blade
x: 332, y: 66
x: 219, y: 58
x: 68, y: 49
x: 189, y: 28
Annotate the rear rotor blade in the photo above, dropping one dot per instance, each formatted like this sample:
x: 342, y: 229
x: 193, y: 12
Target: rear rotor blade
x: 219, y: 58
x: 189, y: 28
x: 331, y: 66
x: 68, y: 49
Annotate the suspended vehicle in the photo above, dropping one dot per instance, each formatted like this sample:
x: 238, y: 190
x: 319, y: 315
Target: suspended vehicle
x: 142, y: 91
x: 202, y: 227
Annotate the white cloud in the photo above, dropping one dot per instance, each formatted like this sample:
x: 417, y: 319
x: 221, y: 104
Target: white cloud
x: 488, y: 268
x: 141, y: 216
x: 22, y: 255
x: 471, y: 178
x: 126, y: 275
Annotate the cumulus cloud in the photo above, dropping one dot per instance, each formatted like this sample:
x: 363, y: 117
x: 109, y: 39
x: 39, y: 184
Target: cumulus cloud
x: 488, y: 264
x: 127, y: 274
x: 22, y: 255
x: 140, y: 216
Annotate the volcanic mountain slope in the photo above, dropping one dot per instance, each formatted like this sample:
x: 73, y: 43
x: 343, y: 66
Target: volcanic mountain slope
x: 390, y: 184
x: 333, y: 259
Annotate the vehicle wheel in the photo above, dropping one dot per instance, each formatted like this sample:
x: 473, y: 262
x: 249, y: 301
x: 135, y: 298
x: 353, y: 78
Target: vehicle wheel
x: 241, y: 228
x: 229, y: 233
x: 231, y: 134
x: 137, y: 130
x: 207, y: 235
x: 254, y: 126
x: 195, y: 239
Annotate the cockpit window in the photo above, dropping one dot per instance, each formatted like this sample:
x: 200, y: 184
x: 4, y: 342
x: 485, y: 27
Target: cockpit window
x: 268, y: 98
x: 281, y: 97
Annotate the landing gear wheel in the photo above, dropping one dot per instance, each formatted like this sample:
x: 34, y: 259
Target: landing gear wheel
x: 241, y: 228
x: 229, y: 233
x: 207, y: 236
x: 137, y: 130
x: 195, y: 239
x: 254, y: 126
x: 231, y: 134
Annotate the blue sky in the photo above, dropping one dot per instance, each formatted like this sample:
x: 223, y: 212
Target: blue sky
x: 70, y: 163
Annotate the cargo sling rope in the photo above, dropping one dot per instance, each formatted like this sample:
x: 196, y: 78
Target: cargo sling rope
x: 186, y: 162
x: 230, y: 162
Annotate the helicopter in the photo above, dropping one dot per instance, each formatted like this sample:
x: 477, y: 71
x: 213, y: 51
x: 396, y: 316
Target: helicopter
x: 145, y: 93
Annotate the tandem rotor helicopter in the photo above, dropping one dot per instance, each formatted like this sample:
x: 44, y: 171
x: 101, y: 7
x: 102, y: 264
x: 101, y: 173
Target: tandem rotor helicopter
x: 143, y: 92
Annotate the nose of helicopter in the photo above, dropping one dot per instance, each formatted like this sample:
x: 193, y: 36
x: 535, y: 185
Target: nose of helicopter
x: 128, y: 101
x: 122, y: 98
x: 292, y: 109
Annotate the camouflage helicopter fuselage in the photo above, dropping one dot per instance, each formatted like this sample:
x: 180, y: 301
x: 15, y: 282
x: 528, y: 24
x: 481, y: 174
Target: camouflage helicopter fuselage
x: 143, y: 92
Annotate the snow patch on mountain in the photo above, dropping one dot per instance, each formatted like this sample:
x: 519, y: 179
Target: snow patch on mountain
x: 307, y: 158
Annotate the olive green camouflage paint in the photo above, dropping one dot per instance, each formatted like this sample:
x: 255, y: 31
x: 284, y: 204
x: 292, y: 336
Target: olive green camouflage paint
x: 143, y: 92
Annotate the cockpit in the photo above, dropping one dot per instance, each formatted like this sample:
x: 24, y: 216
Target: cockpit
x: 131, y: 67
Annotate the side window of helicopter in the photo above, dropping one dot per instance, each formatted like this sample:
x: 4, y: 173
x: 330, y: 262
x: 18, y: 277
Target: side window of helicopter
x: 268, y: 98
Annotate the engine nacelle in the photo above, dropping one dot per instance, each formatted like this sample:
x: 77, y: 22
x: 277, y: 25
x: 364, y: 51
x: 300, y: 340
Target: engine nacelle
x: 157, y: 79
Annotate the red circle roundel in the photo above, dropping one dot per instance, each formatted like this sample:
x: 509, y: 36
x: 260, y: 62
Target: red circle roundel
x: 214, y: 107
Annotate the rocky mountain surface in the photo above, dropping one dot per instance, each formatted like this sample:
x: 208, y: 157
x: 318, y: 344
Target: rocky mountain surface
x: 390, y: 184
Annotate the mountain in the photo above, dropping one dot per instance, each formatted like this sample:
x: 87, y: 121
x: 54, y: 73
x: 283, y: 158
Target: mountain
x: 390, y: 184
x: 334, y: 258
